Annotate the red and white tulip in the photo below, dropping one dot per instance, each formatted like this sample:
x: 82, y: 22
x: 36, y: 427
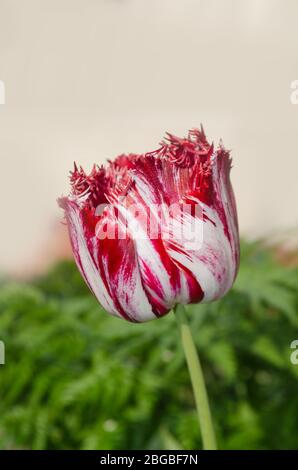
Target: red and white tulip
x: 153, y: 230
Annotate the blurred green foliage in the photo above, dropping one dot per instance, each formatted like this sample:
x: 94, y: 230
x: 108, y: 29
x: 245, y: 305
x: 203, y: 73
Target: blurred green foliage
x: 76, y: 378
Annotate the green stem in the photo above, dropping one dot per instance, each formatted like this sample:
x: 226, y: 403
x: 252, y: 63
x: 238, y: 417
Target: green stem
x: 197, y: 380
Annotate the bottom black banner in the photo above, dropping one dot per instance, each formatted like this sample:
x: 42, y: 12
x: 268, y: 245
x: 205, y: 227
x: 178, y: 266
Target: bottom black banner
x: 134, y: 459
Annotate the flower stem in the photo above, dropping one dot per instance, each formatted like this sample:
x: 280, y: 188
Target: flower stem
x: 197, y: 380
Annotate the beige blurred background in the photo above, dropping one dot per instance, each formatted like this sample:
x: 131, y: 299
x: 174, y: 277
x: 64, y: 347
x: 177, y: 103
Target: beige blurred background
x: 88, y: 79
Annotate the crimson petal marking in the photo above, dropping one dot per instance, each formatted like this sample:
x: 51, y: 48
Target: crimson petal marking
x: 160, y: 276
x: 212, y: 264
x: 119, y: 268
x: 84, y: 259
x: 154, y: 180
x: 165, y: 280
x: 160, y: 180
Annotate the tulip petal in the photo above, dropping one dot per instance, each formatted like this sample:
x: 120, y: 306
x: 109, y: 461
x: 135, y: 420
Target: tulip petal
x: 166, y: 281
x: 118, y: 266
x: 81, y: 244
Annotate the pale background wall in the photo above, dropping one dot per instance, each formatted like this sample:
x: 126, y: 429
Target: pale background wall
x: 88, y: 79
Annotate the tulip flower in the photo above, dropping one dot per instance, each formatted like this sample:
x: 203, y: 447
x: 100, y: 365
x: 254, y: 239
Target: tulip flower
x: 154, y: 231
x: 182, y: 193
